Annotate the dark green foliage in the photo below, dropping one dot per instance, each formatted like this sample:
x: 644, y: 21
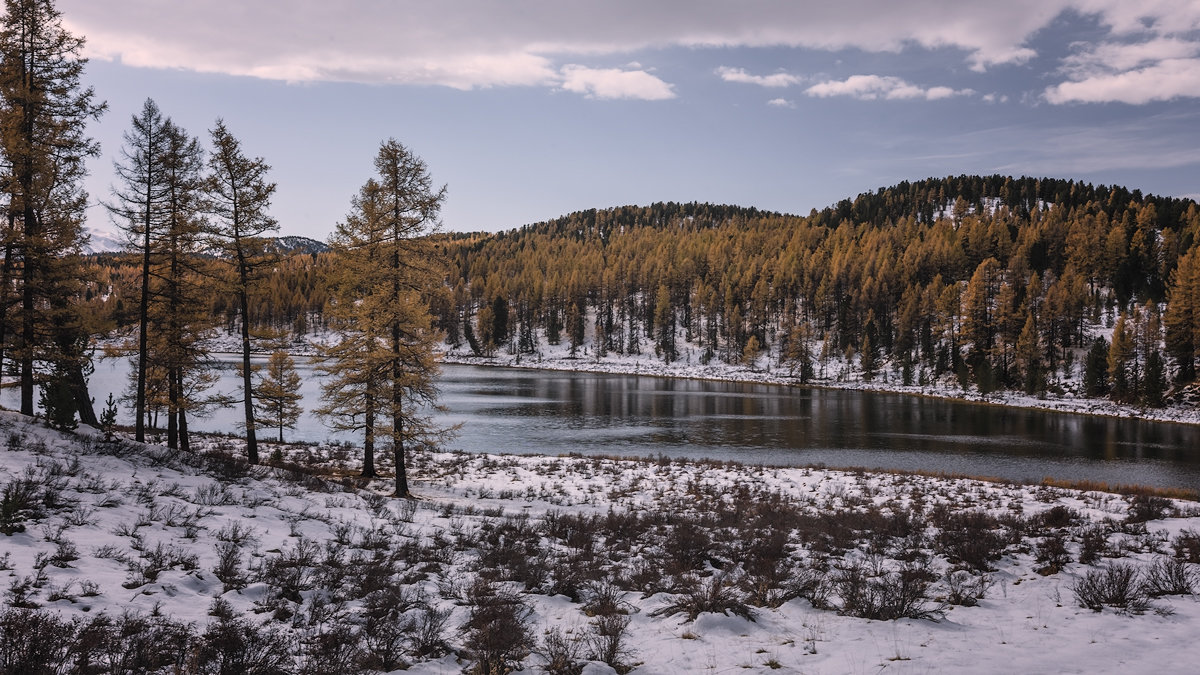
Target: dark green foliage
x: 1095, y: 369
x: 58, y: 403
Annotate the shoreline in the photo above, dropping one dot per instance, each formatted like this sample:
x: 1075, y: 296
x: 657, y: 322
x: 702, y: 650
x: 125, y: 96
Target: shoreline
x: 1173, y: 414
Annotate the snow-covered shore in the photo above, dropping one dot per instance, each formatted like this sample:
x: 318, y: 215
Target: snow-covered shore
x: 648, y: 364
x: 837, y: 374
x: 603, y: 564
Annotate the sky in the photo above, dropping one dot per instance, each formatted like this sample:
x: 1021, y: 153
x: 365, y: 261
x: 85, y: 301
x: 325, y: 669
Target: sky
x: 530, y: 109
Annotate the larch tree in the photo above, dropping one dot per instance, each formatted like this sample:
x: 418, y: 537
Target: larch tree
x: 277, y: 394
x: 383, y: 366
x: 139, y: 208
x: 179, y: 304
x: 44, y: 110
x: 1182, y: 318
x: 239, y: 196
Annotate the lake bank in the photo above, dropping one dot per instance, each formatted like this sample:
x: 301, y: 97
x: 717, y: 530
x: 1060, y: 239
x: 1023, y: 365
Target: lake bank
x: 652, y: 367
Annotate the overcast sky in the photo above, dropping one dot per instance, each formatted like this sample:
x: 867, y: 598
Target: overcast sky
x: 528, y: 110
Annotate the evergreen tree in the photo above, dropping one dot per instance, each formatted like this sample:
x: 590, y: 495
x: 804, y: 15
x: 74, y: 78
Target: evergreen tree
x: 277, y: 394
x: 43, y: 113
x: 1095, y: 369
x: 664, y: 324
x: 239, y: 195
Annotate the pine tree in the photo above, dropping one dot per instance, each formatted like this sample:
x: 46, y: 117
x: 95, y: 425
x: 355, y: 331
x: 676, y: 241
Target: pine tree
x: 1095, y: 369
x: 277, y: 394
x: 239, y: 195
x: 43, y: 113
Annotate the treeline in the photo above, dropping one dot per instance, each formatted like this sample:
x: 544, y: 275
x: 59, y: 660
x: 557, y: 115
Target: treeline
x: 999, y: 282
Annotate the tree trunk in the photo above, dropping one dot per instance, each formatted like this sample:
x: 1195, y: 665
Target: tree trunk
x: 247, y: 389
x: 369, y: 438
x: 139, y: 425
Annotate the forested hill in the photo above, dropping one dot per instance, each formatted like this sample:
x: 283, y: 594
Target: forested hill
x: 602, y: 223
x: 927, y: 200
x: 998, y: 282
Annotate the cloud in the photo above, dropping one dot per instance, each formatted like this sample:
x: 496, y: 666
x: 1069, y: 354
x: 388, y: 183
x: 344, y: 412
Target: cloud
x: 1159, y: 69
x: 1162, y: 81
x: 613, y: 83
x: 781, y: 103
x: 483, y: 43
x: 740, y: 75
x: 1141, y: 52
x: 872, y: 87
x: 1152, y: 53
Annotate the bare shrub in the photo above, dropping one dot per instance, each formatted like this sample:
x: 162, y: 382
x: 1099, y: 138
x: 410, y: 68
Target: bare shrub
x: 1148, y: 507
x: 971, y: 538
x: 1056, y: 517
x: 604, y: 599
x: 608, y: 641
x: 1093, y: 543
x: 33, y: 642
x: 562, y: 653
x: 1169, y: 576
x: 229, y: 566
x: 335, y: 648
x: 718, y: 595
x: 1119, y: 585
x: 429, y: 638
x: 497, y: 629
x: 232, y: 645
x: 1187, y: 546
x: 1052, y: 553
x: 885, y: 595
x: 966, y: 589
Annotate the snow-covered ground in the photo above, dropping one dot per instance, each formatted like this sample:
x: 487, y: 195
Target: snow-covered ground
x: 659, y: 566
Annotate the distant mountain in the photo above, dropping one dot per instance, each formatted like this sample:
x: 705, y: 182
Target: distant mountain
x: 102, y: 241
x: 106, y: 241
x: 291, y: 245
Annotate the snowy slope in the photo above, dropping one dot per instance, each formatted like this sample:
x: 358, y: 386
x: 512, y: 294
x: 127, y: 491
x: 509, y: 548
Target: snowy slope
x: 584, y: 549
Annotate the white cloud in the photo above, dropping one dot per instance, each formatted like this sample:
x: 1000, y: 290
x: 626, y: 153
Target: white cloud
x: 613, y: 83
x: 1158, y: 69
x: 872, y: 87
x: 1162, y: 81
x: 774, y: 80
x: 482, y: 43
x: 781, y: 103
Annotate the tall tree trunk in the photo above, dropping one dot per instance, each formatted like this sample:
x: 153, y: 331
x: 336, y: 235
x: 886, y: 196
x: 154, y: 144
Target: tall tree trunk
x: 28, y: 303
x: 5, y: 280
x: 83, y: 401
x: 139, y: 425
x: 247, y: 390
x: 172, y: 408
x: 369, y: 437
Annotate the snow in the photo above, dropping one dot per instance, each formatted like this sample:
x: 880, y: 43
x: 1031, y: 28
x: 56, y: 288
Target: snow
x: 117, y: 501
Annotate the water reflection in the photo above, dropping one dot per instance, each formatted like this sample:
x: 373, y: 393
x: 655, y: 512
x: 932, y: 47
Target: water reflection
x: 505, y: 410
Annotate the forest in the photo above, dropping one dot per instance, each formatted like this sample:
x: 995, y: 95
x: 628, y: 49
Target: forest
x: 995, y: 282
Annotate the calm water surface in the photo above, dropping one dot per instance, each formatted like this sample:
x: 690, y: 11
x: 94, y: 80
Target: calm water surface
x: 524, y: 411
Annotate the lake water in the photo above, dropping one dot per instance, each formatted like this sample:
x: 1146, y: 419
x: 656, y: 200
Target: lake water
x: 529, y: 411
